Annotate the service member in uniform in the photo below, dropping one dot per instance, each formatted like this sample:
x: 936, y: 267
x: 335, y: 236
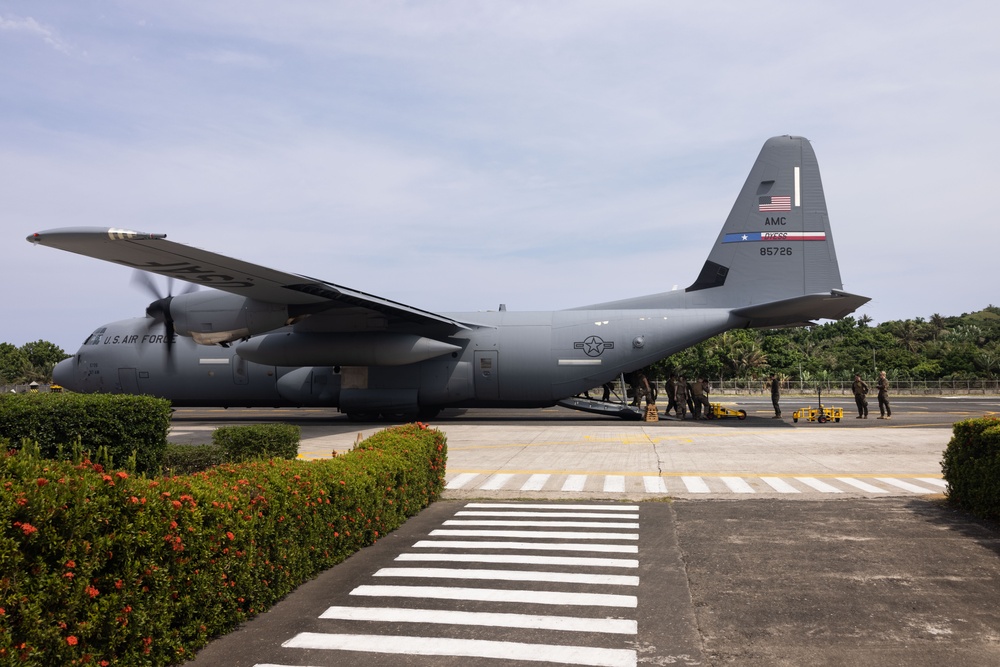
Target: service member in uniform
x: 681, y: 396
x: 669, y: 388
x: 883, y: 396
x: 702, y: 408
x: 861, y: 389
x: 775, y: 395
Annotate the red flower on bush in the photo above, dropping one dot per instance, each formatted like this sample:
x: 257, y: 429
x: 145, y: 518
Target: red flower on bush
x: 93, y: 592
x: 71, y: 640
x: 28, y: 529
x: 42, y: 481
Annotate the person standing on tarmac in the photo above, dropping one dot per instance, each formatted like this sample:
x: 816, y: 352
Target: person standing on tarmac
x: 775, y: 395
x: 883, y: 396
x: 606, y: 396
x: 681, y: 396
x: 709, y: 413
x: 668, y: 387
x: 702, y: 409
x: 861, y: 389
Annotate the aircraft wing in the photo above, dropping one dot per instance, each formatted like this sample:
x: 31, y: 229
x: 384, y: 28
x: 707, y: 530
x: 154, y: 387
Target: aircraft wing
x: 154, y: 253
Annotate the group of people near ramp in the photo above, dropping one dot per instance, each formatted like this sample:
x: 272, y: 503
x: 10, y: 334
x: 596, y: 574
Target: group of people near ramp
x: 683, y: 396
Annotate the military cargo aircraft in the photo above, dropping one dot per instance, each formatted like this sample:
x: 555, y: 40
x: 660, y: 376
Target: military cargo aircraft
x: 261, y: 337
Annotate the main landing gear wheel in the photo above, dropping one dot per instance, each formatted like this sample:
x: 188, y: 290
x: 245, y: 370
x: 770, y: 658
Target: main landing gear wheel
x: 742, y: 414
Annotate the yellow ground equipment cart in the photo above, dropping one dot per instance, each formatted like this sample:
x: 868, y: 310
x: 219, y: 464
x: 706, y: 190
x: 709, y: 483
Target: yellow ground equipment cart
x: 718, y: 411
x: 820, y: 414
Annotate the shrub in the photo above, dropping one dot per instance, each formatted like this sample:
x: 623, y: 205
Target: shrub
x: 105, y: 567
x: 971, y: 466
x: 121, y: 424
x: 188, y: 459
x: 258, y: 441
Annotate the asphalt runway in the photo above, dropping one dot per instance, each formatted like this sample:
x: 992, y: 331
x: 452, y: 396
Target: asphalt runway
x: 858, y: 582
x: 806, y: 544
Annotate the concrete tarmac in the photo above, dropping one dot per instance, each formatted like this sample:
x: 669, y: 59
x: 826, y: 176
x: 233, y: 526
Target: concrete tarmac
x: 799, y: 544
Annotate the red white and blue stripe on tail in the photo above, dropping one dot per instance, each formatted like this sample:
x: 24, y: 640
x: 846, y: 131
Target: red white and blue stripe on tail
x: 747, y: 237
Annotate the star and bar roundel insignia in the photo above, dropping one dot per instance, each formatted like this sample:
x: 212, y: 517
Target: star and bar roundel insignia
x: 594, y: 346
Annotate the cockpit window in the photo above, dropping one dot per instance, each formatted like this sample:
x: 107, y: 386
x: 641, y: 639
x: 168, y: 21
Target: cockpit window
x: 95, y: 337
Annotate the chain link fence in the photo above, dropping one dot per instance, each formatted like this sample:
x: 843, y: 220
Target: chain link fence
x: 974, y: 387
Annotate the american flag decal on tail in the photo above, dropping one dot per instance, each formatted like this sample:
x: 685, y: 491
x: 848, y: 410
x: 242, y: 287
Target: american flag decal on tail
x: 769, y: 203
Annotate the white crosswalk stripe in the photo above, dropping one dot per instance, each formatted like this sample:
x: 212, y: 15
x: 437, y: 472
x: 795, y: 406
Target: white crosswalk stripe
x: 903, y: 484
x: 737, y: 485
x: 574, y: 483
x: 520, y: 560
x: 820, y: 486
x: 509, y: 566
x: 695, y: 485
x: 507, y: 620
x: 779, y: 485
x: 654, y: 484
x: 885, y: 486
x: 467, y: 648
x: 864, y: 486
x: 535, y: 482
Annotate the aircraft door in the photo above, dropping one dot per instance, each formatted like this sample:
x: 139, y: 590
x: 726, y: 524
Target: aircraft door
x: 487, y: 380
x: 128, y: 379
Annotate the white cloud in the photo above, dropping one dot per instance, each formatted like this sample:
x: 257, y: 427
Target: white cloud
x: 33, y: 28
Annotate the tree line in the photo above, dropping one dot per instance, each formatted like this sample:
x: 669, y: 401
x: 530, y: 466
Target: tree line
x: 962, y: 347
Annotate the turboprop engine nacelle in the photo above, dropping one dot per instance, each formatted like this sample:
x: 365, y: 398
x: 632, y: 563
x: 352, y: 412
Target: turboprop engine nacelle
x: 212, y: 317
x: 342, y: 349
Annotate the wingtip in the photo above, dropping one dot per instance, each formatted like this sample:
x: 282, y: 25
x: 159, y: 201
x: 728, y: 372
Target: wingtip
x: 113, y: 234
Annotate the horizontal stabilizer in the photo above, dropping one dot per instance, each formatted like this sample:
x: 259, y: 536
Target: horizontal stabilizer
x: 800, y: 309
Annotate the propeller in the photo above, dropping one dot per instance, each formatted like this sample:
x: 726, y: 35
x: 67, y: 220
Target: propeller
x: 159, y: 309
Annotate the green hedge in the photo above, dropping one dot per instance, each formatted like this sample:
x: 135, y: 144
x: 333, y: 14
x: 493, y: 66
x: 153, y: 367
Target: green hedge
x: 120, y: 424
x: 98, y: 565
x: 255, y: 441
x: 183, y: 459
x: 971, y: 466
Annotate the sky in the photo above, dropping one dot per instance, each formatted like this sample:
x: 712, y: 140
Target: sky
x: 454, y: 155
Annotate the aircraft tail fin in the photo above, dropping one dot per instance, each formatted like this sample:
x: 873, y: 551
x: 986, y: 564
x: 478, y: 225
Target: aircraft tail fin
x: 775, y: 248
x: 776, y: 243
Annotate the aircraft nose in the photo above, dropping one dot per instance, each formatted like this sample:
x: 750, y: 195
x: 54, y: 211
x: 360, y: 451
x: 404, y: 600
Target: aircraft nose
x: 63, y: 375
